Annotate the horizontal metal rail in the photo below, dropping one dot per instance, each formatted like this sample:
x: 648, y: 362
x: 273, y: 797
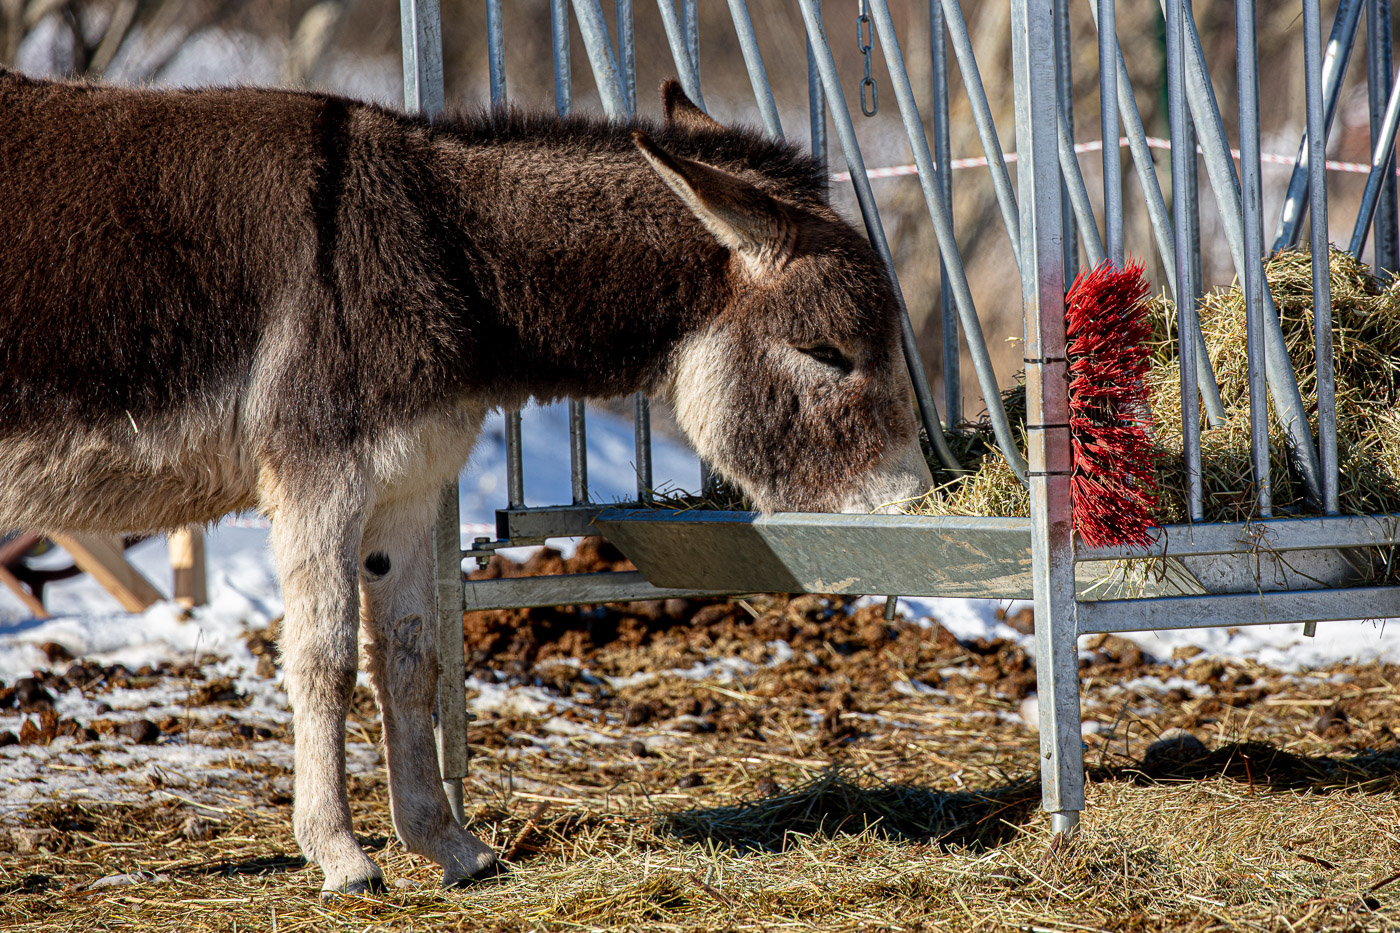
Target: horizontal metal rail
x: 575, y: 589
x: 1278, y: 534
x: 1174, y: 612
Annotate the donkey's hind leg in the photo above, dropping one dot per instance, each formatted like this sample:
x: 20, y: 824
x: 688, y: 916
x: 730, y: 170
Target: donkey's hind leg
x: 401, y: 643
x: 316, y: 539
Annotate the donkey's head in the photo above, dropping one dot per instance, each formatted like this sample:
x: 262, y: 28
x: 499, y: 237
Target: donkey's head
x: 796, y: 388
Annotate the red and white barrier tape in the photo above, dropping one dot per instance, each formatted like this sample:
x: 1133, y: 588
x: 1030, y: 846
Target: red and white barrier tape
x: 1153, y: 142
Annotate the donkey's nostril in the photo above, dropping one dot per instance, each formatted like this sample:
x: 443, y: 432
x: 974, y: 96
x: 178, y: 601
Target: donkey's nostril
x: 377, y: 563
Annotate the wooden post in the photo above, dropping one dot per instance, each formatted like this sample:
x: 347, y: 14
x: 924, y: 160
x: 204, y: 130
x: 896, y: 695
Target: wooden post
x: 103, y: 557
x: 187, y: 560
x: 29, y: 599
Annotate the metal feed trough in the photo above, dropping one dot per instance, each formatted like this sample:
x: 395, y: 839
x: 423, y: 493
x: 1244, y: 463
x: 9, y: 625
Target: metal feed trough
x: 1269, y: 571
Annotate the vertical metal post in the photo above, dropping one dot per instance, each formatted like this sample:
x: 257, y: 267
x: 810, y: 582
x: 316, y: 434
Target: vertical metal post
x: 1064, y: 93
x: 1183, y: 161
x: 1382, y: 164
x: 563, y: 103
x: 641, y: 405
x: 948, y: 314
x: 421, y: 39
x: 816, y: 105
x: 1156, y: 205
x: 1108, y: 132
x: 420, y: 26
x: 607, y: 76
x: 496, y: 51
x: 947, y: 243
x: 690, y: 23
x: 855, y: 162
x: 1334, y: 65
x: 1252, y: 194
x: 1191, y: 189
x: 563, y: 64
x: 453, y: 753
x: 627, y: 53
x: 1047, y: 410
x: 1076, y: 194
x: 678, y: 36
x: 986, y: 128
x: 753, y: 62
x: 1321, y: 259
x: 1379, y: 65
x: 1220, y: 169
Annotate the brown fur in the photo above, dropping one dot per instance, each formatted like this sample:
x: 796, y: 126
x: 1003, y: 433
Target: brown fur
x: 220, y: 299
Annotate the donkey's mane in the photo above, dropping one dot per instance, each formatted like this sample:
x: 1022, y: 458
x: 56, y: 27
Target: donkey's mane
x: 740, y: 148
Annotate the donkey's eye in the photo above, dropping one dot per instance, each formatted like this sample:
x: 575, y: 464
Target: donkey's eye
x: 829, y: 356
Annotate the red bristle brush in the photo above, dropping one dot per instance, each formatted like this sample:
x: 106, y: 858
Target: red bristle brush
x: 1113, y: 486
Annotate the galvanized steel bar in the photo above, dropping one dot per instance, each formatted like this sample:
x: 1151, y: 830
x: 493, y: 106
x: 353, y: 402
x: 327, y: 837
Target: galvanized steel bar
x: 1252, y: 192
x: 453, y: 753
x: 690, y: 22
x: 826, y: 66
x: 1047, y: 406
x: 1334, y: 66
x: 678, y: 39
x: 1064, y: 95
x: 986, y: 127
x: 948, y: 312
x: 1382, y: 164
x: 1275, y: 534
x: 496, y: 50
x: 627, y: 53
x: 420, y: 25
x: 1077, y: 194
x: 559, y: 41
x: 1156, y: 204
x: 753, y: 61
x: 1183, y: 161
x: 1321, y: 257
x: 641, y: 423
x: 563, y: 103
x: 1220, y: 169
x: 515, y: 466
x: 421, y: 41
x: 942, y: 226
x: 641, y: 405
x: 816, y: 105
x: 1379, y: 62
x: 571, y: 590
x: 1108, y: 132
x: 1175, y: 612
x: 601, y: 57
x: 1191, y: 191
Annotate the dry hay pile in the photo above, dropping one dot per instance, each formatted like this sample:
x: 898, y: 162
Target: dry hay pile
x: 1366, y: 335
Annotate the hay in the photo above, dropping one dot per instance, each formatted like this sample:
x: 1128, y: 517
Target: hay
x: 1366, y: 335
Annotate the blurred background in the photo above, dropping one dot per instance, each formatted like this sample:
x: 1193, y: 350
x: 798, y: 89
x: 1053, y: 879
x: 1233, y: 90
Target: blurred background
x: 352, y: 47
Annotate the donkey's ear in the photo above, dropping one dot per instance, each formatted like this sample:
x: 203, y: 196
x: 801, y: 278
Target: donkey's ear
x: 681, y: 112
x: 739, y: 215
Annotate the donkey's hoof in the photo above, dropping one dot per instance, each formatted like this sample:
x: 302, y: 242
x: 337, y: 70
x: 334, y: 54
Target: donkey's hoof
x: 494, y: 871
x: 374, y: 885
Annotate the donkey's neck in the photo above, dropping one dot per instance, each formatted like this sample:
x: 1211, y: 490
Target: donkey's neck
x: 589, y: 271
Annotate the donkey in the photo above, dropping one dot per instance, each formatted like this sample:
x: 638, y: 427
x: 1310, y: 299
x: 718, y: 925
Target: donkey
x: 227, y: 299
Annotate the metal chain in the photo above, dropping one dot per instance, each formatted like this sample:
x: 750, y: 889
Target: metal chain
x: 865, y: 38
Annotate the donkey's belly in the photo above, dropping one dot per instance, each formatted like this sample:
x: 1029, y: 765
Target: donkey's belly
x: 99, y: 480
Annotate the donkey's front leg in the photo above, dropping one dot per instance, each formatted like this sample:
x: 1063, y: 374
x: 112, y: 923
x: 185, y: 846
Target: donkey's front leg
x: 316, y: 539
x: 401, y: 643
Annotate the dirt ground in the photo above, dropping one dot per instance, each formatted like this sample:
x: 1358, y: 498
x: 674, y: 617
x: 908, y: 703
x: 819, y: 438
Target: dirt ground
x: 764, y: 764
